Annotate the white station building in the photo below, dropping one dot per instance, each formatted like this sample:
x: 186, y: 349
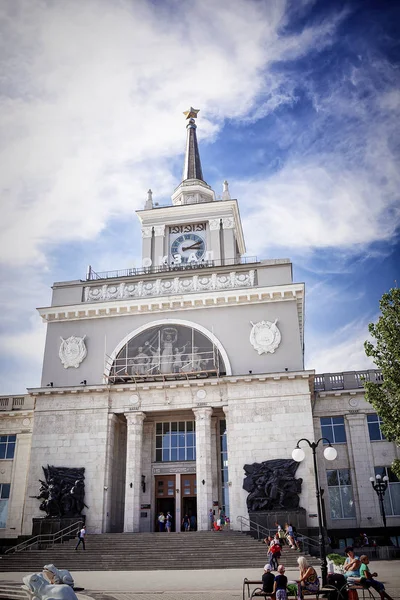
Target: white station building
x: 164, y: 381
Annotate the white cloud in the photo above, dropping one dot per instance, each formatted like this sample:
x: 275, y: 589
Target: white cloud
x: 92, y: 101
x: 343, y: 351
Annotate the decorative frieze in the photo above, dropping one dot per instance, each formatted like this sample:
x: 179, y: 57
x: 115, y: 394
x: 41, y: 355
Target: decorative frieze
x: 175, y: 285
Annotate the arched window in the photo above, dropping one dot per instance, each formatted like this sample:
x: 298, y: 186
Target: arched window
x: 170, y: 350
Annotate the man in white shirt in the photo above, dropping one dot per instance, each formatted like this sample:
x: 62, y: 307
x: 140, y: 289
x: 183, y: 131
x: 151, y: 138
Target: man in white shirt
x: 81, y: 536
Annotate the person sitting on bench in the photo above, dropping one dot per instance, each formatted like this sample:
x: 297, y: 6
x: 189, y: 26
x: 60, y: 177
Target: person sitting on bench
x: 268, y: 580
x: 367, y: 578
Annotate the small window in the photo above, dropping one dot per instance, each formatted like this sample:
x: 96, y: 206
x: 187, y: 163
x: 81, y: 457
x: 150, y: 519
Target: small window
x: 7, y: 446
x: 333, y: 429
x: 374, y: 427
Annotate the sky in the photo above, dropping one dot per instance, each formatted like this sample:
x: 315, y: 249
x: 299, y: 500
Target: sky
x: 299, y: 110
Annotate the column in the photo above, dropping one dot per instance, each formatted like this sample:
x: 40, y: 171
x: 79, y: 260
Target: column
x: 228, y: 232
x: 147, y: 234
x: 215, y: 243
x: 133, y: 480
x: 203, y: 465
x: 159, y: 233
x: 19, y: 477
x: 362, y: 468
x: 108, y: 491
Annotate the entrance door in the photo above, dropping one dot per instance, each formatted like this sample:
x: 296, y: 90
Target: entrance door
x: 189, y: 501
x: 165, y: 498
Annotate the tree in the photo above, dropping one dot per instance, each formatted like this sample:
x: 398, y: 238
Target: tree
x: 385, y: 396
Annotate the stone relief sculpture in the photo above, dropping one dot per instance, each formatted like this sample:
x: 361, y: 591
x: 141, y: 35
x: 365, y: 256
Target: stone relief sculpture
x: 63, y: 491
x: 272, y: 485
x: 39, y: 588
x: 58, y: 576
x: 72, y: 351
x: 265, y: 336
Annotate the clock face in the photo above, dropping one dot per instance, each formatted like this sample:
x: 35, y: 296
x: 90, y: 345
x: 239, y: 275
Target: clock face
x: 187, y: 245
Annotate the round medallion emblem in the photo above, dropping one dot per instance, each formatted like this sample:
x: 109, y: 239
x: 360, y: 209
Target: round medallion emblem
x: 265, y: 336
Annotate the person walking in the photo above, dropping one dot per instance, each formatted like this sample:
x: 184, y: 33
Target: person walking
x: 168, y: 522
x: 186, y: 523
x: 81, y: 538
x: 161, y: 522
x: 193, y: 522
x: 274, y: 553
x: 211, y: 519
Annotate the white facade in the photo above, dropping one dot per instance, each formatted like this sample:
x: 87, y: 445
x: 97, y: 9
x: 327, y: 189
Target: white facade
x: 198, y: 342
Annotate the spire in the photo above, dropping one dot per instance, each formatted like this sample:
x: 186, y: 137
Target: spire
x: 225, y: 193
x: 149, y: 201
x: 192, y: 167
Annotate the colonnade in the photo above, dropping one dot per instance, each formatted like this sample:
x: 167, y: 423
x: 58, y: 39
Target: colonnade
x: 133, y: 477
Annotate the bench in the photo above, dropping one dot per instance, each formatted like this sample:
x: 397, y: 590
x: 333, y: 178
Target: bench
x: 257, y: 592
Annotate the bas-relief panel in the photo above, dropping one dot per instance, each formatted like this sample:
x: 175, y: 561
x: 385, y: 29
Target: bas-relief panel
x: 175, y: 285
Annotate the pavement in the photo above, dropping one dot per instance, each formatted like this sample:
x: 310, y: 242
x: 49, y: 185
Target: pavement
x: 213, y: 584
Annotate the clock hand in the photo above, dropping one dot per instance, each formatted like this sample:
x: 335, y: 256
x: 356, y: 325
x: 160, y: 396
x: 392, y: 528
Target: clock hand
x: 192, y: 247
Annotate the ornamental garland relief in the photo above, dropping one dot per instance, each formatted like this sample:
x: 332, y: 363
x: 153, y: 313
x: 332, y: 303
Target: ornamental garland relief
x: 265, y: 336
x: 72, y: 351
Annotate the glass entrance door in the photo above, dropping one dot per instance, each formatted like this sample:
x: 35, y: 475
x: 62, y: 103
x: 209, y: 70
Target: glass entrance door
x: 189, y: 500
x: 165, y: 498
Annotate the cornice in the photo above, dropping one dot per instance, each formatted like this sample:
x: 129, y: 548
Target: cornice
x: 172, y: 384
x: 293, y: 292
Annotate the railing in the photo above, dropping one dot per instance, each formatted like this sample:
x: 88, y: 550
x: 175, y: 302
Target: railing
x: 47, y: 539
x: 310, y: 545
x: 226, y: 262
x: 348, y: 380
x: 12, y: 403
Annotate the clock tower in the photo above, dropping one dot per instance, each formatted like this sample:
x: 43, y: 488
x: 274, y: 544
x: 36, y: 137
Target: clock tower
x: 197, y: 230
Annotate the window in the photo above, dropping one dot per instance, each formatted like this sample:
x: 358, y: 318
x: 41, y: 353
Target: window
x: 224, y: 466
x: 175, y: 441
x: 4, y: 496
x: 391, y: 499
x: 333, y: 429
x: 340, y: 494
x: 374, y: 428
x: 7, y: 446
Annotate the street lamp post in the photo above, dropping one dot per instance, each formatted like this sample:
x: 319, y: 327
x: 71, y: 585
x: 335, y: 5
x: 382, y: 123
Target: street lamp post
x: 330, y: 454
x: 380, y: 486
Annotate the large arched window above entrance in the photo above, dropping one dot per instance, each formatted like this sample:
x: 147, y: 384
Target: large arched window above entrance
x: 170, y: 350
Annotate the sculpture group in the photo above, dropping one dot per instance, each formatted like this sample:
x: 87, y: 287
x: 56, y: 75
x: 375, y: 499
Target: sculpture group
x: 272, y: 485
x: 62, y: 492
x: 164, y: 353
x: 51, y: 584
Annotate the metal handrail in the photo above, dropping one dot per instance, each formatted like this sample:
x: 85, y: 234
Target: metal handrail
x: 46, y: 538
x: 253, y: 525
x: 92, y: 275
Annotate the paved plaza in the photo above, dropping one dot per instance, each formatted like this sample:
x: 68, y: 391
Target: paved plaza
x: 218, y: 584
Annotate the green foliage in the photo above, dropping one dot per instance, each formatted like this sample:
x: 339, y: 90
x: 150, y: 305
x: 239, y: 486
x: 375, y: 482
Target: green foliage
x: 385, y: 396
x: 336, y: 559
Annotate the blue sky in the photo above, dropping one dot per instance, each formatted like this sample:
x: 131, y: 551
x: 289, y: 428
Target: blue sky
x: 299, y: 109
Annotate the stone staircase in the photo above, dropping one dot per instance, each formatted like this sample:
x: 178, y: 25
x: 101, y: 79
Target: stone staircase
x: 150, y: 551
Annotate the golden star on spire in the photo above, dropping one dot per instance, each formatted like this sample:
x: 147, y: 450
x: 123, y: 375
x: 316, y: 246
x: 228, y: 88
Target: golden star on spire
x: 191, y: 113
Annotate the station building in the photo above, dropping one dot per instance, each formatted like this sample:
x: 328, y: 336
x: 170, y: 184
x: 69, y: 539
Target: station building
x: 164, y: 381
